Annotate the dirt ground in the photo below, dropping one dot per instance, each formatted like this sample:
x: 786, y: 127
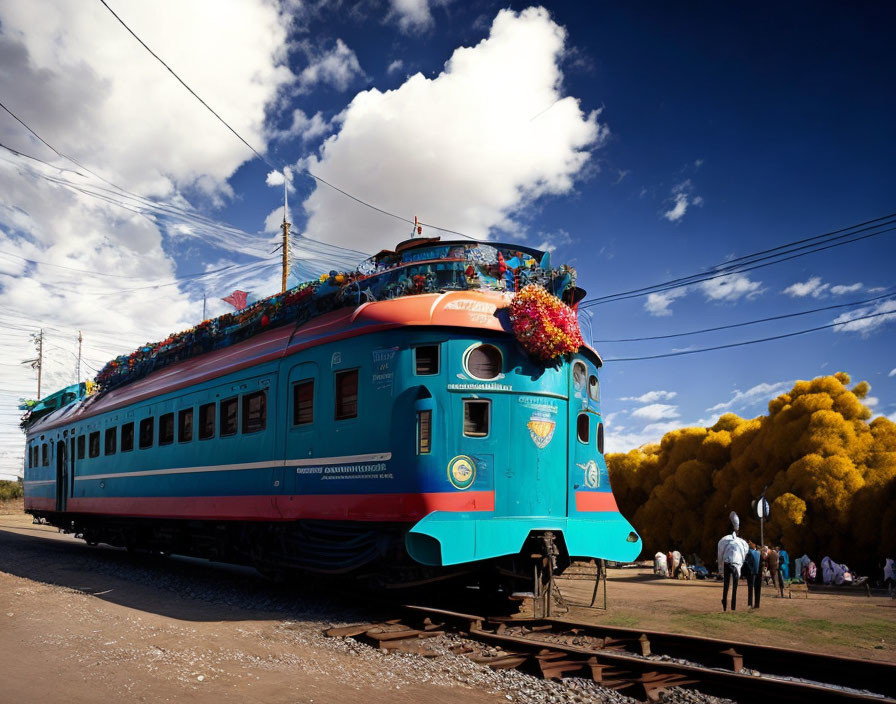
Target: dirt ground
x: 838, y: 624
x: 70, y: 633
x: 81, y: 624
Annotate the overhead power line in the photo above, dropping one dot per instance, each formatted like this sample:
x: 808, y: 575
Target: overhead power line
x: 192, y: 92
x: 748, y: 322
x: 128, y: 200
x: 259, y: 154
x: 792, y: 250
x: 681, y: 353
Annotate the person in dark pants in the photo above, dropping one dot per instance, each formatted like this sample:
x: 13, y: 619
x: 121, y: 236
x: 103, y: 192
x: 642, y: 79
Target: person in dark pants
x: 731, y: 553
x: 755, y: 586
x: 751, y: 567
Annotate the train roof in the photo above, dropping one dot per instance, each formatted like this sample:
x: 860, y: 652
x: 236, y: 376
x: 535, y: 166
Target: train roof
x: 453, y: 309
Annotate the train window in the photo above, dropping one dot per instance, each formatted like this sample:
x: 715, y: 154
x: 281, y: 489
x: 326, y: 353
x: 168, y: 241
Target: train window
x: 255, y: 411
x: 593, y: 388
x: 185, y: 425
x: 111, y: 435
x: 94, y: 444
x: 579, y: 372
x: 426, y: 360
x: 347, y: 394
x: 207, y: 421
x: 147, y: 430
x: 484, y: 362
x: 582, y: 427
x: 476, y: 417
x: 229, y: 412
x: 303, y: 402
x: 44, y: 455
x: 166, y: 429
x: 424, y: 432
x: 81, y: 443
x: 600, y: 438
x: 32, y: 456
x: 127, y: 437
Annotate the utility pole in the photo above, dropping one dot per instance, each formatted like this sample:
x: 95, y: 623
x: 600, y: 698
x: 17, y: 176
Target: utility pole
x: 285, y: 226
x: 80, y: 340
x: 39, y: 361
x: 203, y: 305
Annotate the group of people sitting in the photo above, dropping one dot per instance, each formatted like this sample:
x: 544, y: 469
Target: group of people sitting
x: 674, y: 565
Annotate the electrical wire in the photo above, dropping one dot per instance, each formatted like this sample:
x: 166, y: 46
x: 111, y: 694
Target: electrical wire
x: 748, y: 322
x: 748, y: 262
x: 749, y: 342
x: 259, y: 154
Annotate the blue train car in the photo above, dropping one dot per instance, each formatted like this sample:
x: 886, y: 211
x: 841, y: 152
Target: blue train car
x: 406, y: 437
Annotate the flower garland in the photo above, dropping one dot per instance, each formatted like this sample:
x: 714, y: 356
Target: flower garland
x: 545, y: 326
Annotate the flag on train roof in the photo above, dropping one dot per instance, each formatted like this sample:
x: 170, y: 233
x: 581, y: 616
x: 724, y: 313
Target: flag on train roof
x: 237, y: 299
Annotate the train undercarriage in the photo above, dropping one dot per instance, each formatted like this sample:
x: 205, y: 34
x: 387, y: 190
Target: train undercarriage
x: 339, y: 554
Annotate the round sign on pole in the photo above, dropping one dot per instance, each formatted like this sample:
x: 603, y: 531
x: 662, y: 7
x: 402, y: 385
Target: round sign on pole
x: 762, y: 508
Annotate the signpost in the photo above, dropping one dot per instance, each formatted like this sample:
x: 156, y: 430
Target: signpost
x: 762, y: 511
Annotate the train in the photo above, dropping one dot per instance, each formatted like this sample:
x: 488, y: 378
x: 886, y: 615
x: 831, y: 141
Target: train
x: 403, y: 436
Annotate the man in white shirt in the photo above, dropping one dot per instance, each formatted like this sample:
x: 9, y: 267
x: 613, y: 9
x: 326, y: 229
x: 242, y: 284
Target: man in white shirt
x: 731, y: 554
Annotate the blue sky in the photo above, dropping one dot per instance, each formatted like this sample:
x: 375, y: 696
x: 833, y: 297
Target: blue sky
x: 641, y: 141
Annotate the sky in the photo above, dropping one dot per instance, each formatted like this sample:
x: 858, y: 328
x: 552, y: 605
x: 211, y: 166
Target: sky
x: 639, y: 142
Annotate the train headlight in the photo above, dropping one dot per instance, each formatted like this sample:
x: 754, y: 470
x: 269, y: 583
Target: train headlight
x: 632, y: 537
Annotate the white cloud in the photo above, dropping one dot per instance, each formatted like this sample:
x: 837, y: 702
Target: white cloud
x: 610, y: 418
x: 652, y: 397
x: 336, y: 68
x: 658, y: 303
x: 815, y: 288
x: 395, y: 66
x: 307, y: 128
x: 892, y: 372
x: 851, y: 288
x: 619, y: 441
x: 656, y: 411
x: 871, y: 401
x: 278, y: 178
x: 884, y: 312
x: 77, y: 77
x: 682, y: 197
x: 731, y: 288
x: 550, y: 241
x: 458, y: 150
x: 411, y: 15
x: 763, y: 392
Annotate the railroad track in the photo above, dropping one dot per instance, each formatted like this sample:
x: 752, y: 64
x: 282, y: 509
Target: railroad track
x: 639, y: 663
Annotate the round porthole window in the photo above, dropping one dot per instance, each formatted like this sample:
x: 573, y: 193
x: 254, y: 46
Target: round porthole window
x: 578, y: 375
x: 593, y: 388
x: 484, y: 362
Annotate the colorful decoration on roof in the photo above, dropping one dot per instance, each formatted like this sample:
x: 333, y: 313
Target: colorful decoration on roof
x: 546, y: 327
x: 425, y: 267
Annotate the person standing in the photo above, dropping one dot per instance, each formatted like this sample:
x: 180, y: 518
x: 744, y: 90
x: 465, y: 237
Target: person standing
x: 731, y: 553
x: 890, y: 577
x: 755, y: 586
x: 750, y: 569
x: 777, y: 582
x: 784, y: 563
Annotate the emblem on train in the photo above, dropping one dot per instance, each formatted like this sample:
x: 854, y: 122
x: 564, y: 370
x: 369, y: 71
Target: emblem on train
x: 462, y: 472
x: 541, y: 429
x: 592, y: 474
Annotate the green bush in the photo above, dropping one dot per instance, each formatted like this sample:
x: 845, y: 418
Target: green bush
x: 11, y: 490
